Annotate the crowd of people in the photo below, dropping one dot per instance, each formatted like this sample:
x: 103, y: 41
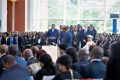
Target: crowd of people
x: 84, y: 54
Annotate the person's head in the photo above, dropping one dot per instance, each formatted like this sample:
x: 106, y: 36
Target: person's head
x: 13, y: 50
x: 45, y: 60
x: 65, y: 28
x: 3, y: 49
x: 62, y: 47
x: 72, y: 53
x: 53, y: 26
x: 97, y: 53
x: 34, y: 49
x: 64, y: 63
x: 27, y: 54
x: 75, y: 28
x: 8, y: 61
x: 90, y: 37
x: 39, y: 53
x: 82, y: 55
x: 91, y: 48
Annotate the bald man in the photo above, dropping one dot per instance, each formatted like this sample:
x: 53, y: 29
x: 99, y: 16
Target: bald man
x: 28, y: 55
x: 96, y: 69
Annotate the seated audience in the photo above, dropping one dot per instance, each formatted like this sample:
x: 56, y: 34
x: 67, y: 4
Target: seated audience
x: 96, y: 69
x: 13, y: 71
x: 64, y: 63
x: 113, y: 66
x: 14, y: 51
x: 28, y: 55
x: 47, y: 67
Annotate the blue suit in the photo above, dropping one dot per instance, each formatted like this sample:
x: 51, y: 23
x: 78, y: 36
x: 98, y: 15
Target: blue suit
x: 11, y: 41
x: 68, y: 38
x: 54, y: 33
x: 95, y: 70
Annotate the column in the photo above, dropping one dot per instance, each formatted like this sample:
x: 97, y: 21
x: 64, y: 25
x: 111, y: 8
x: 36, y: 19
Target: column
x: 114, y: 25
x: 65, y: 12
x: 4, y: 16
x: 26, y: 12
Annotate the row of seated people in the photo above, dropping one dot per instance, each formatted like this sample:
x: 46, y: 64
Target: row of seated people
x: 36, y: 64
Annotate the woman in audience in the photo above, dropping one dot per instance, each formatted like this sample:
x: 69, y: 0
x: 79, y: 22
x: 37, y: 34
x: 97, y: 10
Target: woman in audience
x: 47, y: 67
x: 113, y: 67
x: 64, y: 63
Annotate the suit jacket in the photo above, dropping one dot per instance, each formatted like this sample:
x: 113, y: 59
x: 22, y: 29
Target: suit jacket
x: 95, y: 70
x: 3, y: 40
x: 21, y: 61
x: 54, y: 33
x: 15, y: 73
x: 31, y: 61
x: 68, y: 38
x: 76, y: 38
x: 83, y: 35
x: 14, y: 41
x: 20, y: 41
x: 78, y: 66
x: 42, y: 41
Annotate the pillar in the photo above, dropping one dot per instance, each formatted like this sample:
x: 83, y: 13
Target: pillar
x: 114, y: 25
x: 4, y: 16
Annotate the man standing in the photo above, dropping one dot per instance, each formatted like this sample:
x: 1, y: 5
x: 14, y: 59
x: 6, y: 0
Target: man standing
x: 67, y: 36
x: 53, y: 35
x: 76, y: 37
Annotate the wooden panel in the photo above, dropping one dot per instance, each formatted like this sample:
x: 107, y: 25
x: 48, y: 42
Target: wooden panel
x: 19, y: 16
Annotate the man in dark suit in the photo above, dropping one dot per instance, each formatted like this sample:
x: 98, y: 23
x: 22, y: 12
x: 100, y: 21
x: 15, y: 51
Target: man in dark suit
x: 11, y: 40
x: 21, y: 42
x: 2, y: 38
x: 40, y: 40
x: 82, y: 60
x: 96, y: 69
x: 13, y: 70
x: 53, y: 35
x: 83, y: 36
x: 76, y: 38
x: 94, y: 31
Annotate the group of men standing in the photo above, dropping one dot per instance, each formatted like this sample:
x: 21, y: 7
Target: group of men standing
x: 73, y: 36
